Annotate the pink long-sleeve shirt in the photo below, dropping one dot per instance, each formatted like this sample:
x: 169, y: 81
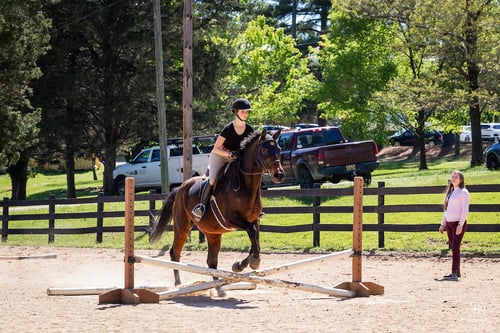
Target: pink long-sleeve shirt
x: 458, y: 206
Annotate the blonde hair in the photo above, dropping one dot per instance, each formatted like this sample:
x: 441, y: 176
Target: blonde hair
x: 450, y: 187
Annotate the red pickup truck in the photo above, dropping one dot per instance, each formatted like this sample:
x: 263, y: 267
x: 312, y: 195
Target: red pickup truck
x: 320, y: 154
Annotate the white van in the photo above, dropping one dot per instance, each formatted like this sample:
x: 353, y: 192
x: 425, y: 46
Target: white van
x: 145, y: 168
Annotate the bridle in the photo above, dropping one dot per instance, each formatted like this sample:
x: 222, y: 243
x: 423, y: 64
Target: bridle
x: 261, y: 160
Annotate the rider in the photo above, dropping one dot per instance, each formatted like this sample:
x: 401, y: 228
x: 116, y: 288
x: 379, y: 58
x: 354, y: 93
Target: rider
x: 225, y: 149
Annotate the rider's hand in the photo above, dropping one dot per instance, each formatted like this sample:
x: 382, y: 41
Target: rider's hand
x: 233, y: 155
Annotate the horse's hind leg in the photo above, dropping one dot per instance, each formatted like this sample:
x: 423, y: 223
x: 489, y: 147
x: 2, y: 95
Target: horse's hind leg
x: 182, y: 227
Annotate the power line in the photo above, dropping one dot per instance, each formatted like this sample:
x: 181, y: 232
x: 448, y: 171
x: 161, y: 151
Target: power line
x: 88, y: 15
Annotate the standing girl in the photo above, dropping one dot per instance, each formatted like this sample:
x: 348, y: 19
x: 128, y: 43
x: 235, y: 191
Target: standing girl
x: 456, y: 207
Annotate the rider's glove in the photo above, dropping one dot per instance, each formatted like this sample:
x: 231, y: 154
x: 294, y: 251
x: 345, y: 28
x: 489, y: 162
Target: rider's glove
x: 234, y: 155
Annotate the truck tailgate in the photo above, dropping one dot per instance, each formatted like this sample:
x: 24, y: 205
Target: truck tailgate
x: 349, y: 153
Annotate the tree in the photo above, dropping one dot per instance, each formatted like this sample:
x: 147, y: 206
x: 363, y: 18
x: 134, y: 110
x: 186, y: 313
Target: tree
x: 23, y: 38
x: 468, y: 33
x: 271, y: 72
x: 305, y: 21
x: 100, y: 82
x: 451, y: 51
x: 354, y: 63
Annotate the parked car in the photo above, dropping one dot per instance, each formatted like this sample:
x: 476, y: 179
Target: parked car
x: 306, y: 125
x: 409, y: 138
x: 492, y: 156
x: 465, y: 134
x: 490, y: 132
x: 271, y: 129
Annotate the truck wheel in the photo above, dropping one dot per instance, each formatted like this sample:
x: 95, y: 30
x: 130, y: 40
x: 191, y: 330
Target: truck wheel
x: 120, y: 187
x: 367, y: 178
x: 492, y: 162
x: 305, y: 178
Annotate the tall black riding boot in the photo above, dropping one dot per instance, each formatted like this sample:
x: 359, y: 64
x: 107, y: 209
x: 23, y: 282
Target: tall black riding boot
x: 199, y: 210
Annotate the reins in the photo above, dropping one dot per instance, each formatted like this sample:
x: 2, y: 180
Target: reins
x: 258, y: 160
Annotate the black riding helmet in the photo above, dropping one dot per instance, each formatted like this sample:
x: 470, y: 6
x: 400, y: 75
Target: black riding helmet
x: 240, y: 104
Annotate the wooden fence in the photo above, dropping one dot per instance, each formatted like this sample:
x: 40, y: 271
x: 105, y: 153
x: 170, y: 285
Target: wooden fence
x: 315, y: 209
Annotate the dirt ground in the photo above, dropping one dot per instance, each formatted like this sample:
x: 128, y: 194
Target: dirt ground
x: 414, y: 299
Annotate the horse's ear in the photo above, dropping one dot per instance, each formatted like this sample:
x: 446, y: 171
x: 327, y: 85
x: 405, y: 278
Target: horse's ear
x: 263, y: 134
x: 277, y: 134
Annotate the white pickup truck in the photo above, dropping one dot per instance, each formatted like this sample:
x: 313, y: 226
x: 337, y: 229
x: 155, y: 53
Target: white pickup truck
x: 145, y: 168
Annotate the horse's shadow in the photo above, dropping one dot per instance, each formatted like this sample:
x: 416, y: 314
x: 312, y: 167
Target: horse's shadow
x: 201, y: 301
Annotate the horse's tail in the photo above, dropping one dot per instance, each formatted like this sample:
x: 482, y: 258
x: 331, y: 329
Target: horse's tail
x: 164, y: 219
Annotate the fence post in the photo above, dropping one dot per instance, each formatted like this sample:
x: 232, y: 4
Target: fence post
x: 100, y: 219
x: 316, y: 201
x: 5, y: 219
x: 52, y: 210
x: 381, y: 217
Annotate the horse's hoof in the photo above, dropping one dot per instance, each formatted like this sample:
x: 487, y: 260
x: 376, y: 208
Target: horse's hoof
x: 254, y: 262
x: 220, y: 292
x: 237, y: 267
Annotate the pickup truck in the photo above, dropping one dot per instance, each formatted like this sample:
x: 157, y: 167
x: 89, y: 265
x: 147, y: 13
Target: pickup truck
x: 145, y: 168
x: 321, y: 154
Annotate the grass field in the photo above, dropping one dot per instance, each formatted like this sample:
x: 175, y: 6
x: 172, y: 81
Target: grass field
x: 395, y: 173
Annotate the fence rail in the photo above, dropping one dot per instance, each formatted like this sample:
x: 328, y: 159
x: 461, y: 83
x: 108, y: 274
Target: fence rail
x: 315, y: 209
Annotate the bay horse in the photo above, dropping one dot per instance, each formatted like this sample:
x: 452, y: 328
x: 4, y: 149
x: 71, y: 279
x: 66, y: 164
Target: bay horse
x: 235, y: 203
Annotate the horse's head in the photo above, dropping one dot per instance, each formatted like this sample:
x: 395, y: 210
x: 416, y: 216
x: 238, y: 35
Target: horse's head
x: 268, y: 156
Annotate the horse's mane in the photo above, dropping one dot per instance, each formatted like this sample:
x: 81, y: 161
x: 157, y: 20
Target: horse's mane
x: 247, y: 142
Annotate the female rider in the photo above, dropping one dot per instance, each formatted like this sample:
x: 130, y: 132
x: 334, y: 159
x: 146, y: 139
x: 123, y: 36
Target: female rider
x: 225, y: 149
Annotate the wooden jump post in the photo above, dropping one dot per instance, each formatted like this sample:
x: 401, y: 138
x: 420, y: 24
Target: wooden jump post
x: 130, y: 295
x: 359, y: 287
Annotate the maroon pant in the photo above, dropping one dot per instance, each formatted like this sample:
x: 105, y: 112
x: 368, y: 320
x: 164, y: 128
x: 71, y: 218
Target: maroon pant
x: 454, y: 241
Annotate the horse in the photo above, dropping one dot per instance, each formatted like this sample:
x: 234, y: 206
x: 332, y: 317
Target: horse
x: 235, y: 203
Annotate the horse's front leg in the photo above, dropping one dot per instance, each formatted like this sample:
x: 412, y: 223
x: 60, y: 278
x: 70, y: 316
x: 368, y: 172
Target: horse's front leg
x: 253, y: 258
x: 254, y: 255
x: 214, y: 245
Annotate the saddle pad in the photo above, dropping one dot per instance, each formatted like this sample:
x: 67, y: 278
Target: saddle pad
x: 195, y: 190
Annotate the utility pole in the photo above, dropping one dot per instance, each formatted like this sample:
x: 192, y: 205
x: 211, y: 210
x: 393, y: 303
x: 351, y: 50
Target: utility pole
x: 160, y: 97
x: 294, y: 20
x: 187, y: 91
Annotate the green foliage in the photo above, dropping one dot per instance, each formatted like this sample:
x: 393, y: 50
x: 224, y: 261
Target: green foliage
x: 355, y: 63
x: 271, y: 72
x: 447, y: 58
x: 23, y: 39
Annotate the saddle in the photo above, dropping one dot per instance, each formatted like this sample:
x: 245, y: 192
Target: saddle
x: 229, y: 172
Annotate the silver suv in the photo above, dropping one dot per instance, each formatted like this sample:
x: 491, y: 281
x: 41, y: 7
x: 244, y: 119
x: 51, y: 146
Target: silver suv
x: 490, y: 132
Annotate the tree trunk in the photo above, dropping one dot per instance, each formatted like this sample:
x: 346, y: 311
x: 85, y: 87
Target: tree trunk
x: 423, y: 156
x: 69, y: 157
x: 477, y: 157
x: 457, y: 145
x: 19, y: 177
x: 471, y: 36
x: 420, y: 131
x: 109, y: 166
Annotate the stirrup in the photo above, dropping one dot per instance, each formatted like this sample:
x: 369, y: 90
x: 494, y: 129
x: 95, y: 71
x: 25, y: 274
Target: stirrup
x: 198, y: 211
